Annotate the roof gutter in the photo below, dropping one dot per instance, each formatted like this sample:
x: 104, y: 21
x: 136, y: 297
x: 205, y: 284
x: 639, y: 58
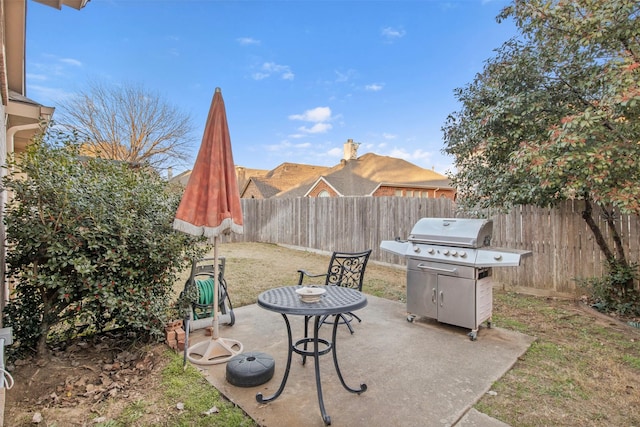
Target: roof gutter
x: 11, y: 133
x: 76, y: 4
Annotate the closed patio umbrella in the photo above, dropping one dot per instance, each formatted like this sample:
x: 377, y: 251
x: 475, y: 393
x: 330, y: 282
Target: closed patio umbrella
x: 210, y: 206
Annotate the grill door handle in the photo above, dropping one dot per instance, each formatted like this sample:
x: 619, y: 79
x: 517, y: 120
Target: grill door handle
x: 453, y: 271
x: 433, y: 296
x: 441, y: 298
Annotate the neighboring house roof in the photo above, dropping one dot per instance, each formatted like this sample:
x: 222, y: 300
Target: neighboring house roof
x: 362, y: 176
x: 289, y: 174
x: 355, y: 177
x: 181, y: 179
x: 262, y: 186
x: 241, y: 174
x: 245, y: 174
x: 283, y: 177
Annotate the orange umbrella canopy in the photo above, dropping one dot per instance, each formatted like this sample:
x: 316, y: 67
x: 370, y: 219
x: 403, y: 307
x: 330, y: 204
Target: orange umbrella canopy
x: 210, y: 205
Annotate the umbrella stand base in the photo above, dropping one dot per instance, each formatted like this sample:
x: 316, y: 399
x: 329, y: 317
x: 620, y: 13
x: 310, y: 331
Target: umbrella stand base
x: 214, y: 351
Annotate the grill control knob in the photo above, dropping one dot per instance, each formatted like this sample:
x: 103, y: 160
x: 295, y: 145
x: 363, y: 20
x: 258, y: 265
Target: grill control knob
x: 497, y: 257
x: 454, y: 253
x: 431, y: 251
x: 446, y: 252
x: 463, y: 254
x: 416, y: 249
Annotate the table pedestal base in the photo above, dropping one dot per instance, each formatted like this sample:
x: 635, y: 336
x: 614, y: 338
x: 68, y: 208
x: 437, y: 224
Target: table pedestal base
x: 316, y: 353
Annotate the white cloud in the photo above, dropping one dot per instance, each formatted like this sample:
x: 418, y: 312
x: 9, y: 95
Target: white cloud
x: 318, y: 114
x: 247, y: 41
x: 342, y: 77
x: 391, y: 34
x: 374, y: 87
x: 271, y: 68
x: 39, y: 77
x: 274, y: 68
x: 336, y: 152
x: 287, y: 76
x: 286, y: 145
x: 421, y: 155
x: 317, y: 128
x: 389, y: 136
x: 71, y: 61
x: 53, y: 65
x: 49, y: 94
x: 418, y: 157
x: 400, y: 153
x: 282, y: 145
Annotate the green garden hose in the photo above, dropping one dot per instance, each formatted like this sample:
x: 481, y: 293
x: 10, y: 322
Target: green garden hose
x: 205, y: 292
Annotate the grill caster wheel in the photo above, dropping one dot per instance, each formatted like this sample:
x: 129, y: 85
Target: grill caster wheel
x: 473, y: 335
x: 410, y: 318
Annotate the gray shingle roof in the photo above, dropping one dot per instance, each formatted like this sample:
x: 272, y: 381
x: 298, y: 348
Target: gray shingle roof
x: 361, y: 176
x: 284, y: 177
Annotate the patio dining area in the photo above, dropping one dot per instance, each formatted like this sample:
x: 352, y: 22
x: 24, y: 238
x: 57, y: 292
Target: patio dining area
x: 423, y: 373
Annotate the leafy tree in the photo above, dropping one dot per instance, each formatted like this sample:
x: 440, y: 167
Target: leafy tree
x: 555, y: 115
x: 130, y: 123
x: 90, y: 243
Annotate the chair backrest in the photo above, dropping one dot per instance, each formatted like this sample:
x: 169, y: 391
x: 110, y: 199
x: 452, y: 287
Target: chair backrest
x: 347, y: 269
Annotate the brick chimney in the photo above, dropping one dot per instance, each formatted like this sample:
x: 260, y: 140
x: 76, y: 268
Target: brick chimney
x: 351, y: 149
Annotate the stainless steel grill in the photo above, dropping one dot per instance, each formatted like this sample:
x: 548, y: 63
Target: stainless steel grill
x: 449, y: 264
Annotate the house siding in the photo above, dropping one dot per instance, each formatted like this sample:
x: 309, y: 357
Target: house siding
x: 322, y: 186
x: 425, y: 193
x: 3, y: 201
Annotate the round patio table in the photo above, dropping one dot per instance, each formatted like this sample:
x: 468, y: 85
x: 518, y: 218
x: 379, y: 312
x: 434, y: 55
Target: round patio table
x: 336, y: 300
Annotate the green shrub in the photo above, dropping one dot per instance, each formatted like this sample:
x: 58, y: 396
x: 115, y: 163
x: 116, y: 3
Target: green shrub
x: 611, y: 293
x: 90, y: 244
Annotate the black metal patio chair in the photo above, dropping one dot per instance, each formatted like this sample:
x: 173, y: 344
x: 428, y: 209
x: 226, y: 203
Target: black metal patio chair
x: 345, y: 269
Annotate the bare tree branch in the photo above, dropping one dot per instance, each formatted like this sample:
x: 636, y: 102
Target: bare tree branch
x: 130, y: 123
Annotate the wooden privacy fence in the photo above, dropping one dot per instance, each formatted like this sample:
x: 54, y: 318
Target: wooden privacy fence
x: 563, y: 247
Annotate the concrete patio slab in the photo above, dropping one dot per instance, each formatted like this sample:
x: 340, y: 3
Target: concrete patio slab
x: 418, y: 374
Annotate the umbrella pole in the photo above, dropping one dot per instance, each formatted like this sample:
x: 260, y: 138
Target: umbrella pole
x: 216, y: 290
x: 217, y: 350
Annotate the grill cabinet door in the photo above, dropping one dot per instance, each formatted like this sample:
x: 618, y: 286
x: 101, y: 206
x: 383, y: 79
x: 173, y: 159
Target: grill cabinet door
x: 437, y: 291
x: 422, y: 288
x: 456, y: 301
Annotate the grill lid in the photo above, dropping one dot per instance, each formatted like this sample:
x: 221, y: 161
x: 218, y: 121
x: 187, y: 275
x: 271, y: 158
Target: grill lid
x: 462, y: 232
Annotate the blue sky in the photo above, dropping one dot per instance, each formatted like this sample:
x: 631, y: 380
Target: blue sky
x: 298, y: 77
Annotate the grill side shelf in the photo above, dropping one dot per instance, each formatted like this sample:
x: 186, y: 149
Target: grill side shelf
x: 488, y: 257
